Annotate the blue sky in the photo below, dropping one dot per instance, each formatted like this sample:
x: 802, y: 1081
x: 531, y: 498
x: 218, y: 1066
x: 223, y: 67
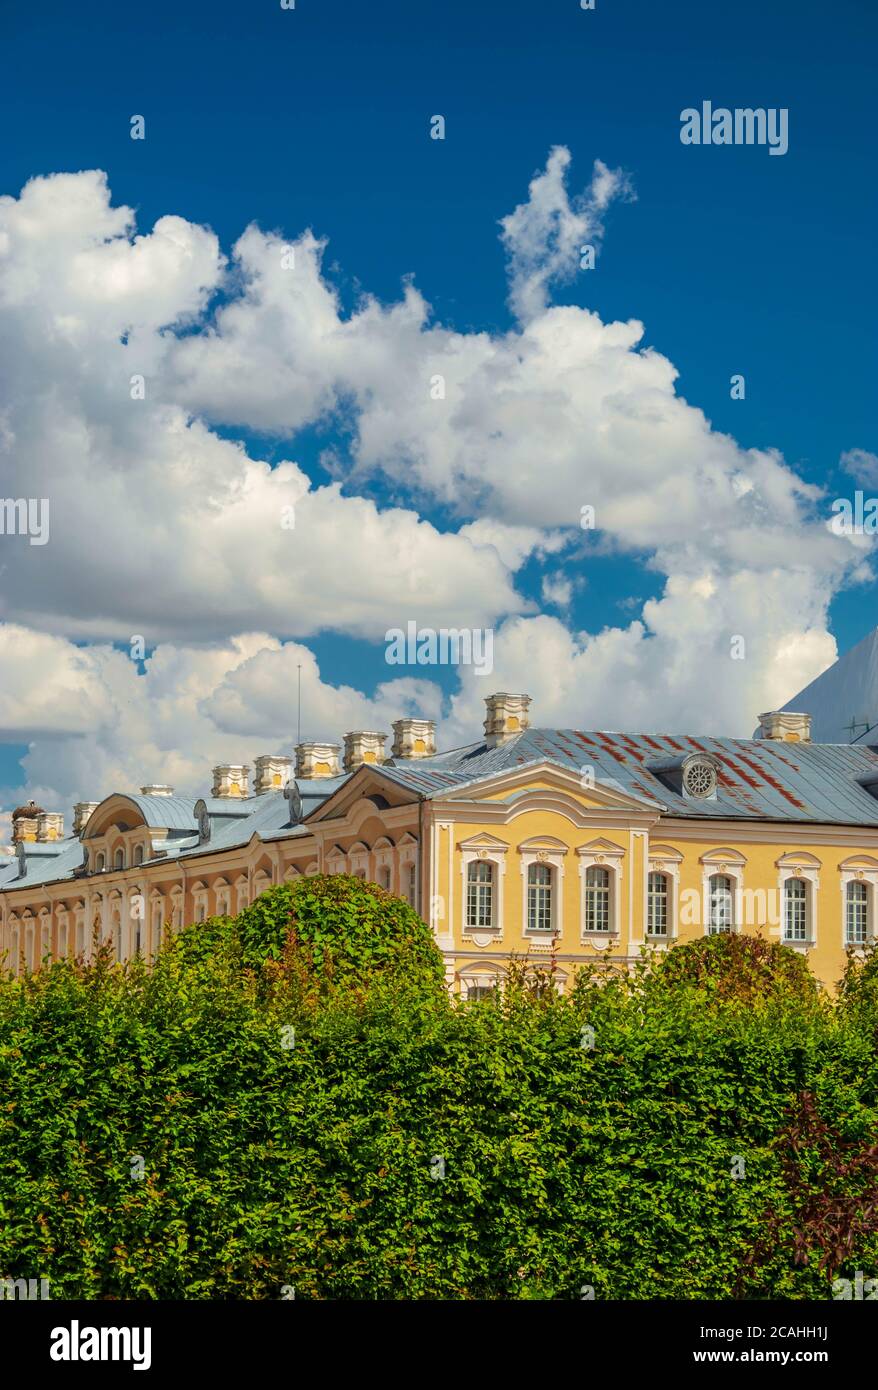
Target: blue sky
x: 734, y: 261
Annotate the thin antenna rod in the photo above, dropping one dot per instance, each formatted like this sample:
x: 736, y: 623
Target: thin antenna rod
x: 299, y: 728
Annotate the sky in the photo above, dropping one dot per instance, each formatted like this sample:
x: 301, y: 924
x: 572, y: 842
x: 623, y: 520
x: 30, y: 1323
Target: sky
x: 292, y: 373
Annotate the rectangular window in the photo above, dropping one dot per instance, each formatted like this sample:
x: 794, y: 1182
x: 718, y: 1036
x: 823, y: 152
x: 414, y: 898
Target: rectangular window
x: 480, y: 894
x: 657, y: 905
x: 795, y: 910
x: 856, y: 914
x: 539, y: 898
x: 480, y: 991
x: 597, y: 899
x: 721, y: 915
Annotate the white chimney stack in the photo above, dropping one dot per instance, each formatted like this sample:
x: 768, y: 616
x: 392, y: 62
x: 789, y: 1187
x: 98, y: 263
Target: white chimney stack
x: 363, y: 746
x: 414, y: 738
x: 317, y: 760
x: 785, y: 727
x: 506, y: 715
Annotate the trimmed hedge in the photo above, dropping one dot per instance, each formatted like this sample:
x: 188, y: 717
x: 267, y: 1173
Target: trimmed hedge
x: 290, y: 1099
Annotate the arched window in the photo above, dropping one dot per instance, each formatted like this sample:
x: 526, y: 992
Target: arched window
x: 480, y: 894
x: 657, y: 905
x: 138, y: 854
x: 384, y: 877
x: 100, y: 861
x: 539, y: 897
x: 721, y: 917
x: 795, y: 910
x: 856, y: 917
x: 597, y: 899
x: 119, y: 859
x: 411, y: 881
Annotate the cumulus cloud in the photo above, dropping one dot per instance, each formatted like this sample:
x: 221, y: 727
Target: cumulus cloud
x: 158, y: 526
x: 861, y: 465
x: 192, y: 707
x: 543, y: 236
x: 163, y: 525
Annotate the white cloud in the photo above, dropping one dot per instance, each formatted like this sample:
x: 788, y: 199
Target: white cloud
x: 161, y: 527
x: 194, y: 706
x: 158, y: 525
x: 861, y: 465
x: 543, y: 237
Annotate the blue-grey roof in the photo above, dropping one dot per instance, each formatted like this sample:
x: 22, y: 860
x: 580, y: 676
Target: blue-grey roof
x: 161, y: 812
x: 41, y: 867
x: 267, y: 816
x: 760, y: 779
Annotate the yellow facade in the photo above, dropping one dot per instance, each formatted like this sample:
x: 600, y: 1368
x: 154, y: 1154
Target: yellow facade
x: 535, y: 861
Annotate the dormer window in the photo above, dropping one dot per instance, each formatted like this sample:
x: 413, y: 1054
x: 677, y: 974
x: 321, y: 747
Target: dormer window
x: 699, y: 778
x: 691, y: 775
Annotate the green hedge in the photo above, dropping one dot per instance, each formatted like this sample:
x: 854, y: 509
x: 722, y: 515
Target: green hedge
x: 309, y: 1110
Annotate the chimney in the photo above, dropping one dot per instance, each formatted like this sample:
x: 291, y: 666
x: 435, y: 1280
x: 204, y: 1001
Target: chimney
x: 272, y: 773
x: 785, y: 727
x: 81, y: 812
x: 156, y: 789
x: 507, y: 715
x: 26, y: 822
x: 230, y: 780
x: 50, y: 826
x: 414, y: 738
x: 363, y: 746
x: 317, y: 760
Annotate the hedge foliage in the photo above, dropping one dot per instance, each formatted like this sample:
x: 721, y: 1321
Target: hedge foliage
x: 290, y: 1100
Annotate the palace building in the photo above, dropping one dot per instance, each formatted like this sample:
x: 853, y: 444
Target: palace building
x: 555, y: 844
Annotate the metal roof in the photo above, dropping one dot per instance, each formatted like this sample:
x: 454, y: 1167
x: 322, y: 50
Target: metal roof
x: 159, y: 812
x: 46, y: 868
x: 758, y: 779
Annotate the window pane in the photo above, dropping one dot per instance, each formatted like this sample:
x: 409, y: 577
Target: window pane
x: 721, y: 915
x: 539, y: 898
x: 597, y: 899
x: 856, y: 914
x: 657, y: 905
x: 795, y: 910
x: 480, y: 894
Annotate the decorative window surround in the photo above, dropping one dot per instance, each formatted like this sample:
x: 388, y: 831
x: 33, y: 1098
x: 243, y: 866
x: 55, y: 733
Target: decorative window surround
x: 487, y: 848
x: 358, y: 858
x: 859, y: 868
x: 729, y: 863
x: 336, y: 861
x: 383, y: 852
x: 199, y: 902
x: 798, y: 864
x: 663, y: 859
x: 480, y: 975
x: 223, y: 897
x: 551, y: 852
x: 602, y: 854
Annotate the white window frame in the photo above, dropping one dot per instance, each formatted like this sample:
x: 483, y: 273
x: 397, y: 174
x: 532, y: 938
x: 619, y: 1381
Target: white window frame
x: 496, y: 855
x: 483, y: 876
x: 668, y: 895
x: 663, y: 860
x: 552, y: 857
x: 728, y: 864
x: 808, y: 870
x: 601, y: 857
x: 860, y: 869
